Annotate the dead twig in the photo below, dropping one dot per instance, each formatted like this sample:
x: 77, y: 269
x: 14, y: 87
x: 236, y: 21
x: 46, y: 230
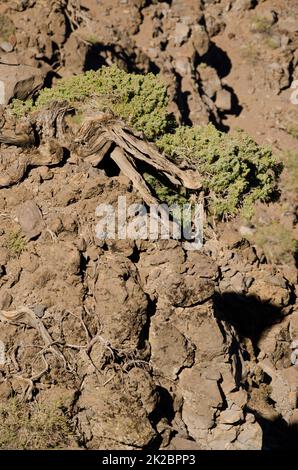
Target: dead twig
x: 26, y: 316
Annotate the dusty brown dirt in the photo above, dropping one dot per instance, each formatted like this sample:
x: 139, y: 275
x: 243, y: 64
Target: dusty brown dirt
x: 145, y: 344
x: 260, y: 72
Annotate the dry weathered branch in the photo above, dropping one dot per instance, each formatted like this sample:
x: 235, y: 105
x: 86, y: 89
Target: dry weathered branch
x: 129, y: 170
x: 92, y: 141
x: 96, y: 131
x: 26, y: 315
x: 148, y: 153
x: 21, y: 141
x: 50, y: 121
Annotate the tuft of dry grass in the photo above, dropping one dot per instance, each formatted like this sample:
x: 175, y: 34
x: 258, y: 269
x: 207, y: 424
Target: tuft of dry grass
x: 16, y: 243
x: 276, y: 241
x: 290, y: 172
x: 292, y: 130
x: 250, y: 53
x: 7, y: 28
x: 33, y: 426
x: 261, y: 24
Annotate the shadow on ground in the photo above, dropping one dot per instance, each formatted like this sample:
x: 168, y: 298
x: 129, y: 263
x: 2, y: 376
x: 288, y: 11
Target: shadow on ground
x: 251, y: 318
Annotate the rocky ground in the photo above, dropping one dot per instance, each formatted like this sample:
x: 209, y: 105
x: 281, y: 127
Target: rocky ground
x: 143, y: 344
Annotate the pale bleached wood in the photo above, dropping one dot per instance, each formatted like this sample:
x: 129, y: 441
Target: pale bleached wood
x: 94, y: 138
x: 130, y: 171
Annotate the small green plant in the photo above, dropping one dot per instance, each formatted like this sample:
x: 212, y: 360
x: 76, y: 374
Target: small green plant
x: 7, y: 28
x: 292, y: 130
x: 261, y: 24
x: 33, y: 426
x: 16, y: 243
x: 273, y: 42
x: 235, y: 171
x: 93, y: 39
x: 276, y: 241
x: 290, y: 174
x: 141, y: 100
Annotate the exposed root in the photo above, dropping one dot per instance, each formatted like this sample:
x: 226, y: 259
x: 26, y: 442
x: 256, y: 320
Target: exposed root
x: 24, y: 315
x: 52, y: 234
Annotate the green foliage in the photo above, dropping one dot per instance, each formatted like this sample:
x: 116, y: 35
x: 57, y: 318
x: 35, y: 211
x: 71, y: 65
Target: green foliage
x: 175, y: 198
x: 165, y: 194
x: 19, y: 107
x: 16, y: 243
x: 235, y: 171
x: 141, y: 100
x: 33, y: 426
